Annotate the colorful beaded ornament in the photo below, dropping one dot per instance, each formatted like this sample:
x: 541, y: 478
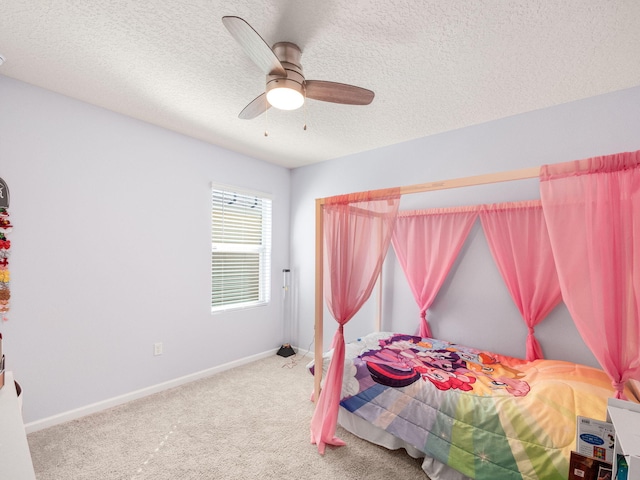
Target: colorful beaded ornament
x: 5, y: 276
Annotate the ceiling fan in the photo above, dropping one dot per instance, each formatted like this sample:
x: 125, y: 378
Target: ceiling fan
x: 286, y: 87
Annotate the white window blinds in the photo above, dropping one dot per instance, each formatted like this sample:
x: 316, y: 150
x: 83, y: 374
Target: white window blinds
x: 240, y: 249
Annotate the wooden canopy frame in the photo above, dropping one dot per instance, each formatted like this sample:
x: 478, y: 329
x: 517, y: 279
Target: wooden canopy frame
x: 508, y: 176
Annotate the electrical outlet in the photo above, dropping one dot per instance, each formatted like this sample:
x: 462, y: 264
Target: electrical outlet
x: 157, y: 348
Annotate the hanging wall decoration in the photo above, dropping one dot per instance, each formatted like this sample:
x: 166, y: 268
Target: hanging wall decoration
x: 5, y: 245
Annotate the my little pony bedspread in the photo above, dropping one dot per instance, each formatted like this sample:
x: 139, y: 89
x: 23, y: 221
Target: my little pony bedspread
x: 486, y: 415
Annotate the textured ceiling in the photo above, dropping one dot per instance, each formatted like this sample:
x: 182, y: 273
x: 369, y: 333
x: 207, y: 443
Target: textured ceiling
x: 435, y: 65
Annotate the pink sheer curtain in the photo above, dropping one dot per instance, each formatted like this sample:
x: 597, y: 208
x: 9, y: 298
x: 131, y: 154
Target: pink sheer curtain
x: 427, y: 243
x: 357, y: 233
x: 519, y: 242
x: 592, y: 208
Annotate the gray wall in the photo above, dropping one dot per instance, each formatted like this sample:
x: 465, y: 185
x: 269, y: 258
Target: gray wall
x: 474, y: 307
x: 111, y: 252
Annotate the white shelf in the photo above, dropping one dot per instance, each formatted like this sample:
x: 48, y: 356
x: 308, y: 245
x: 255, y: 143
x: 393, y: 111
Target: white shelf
x: 625, y: 417
x: 15, y: 458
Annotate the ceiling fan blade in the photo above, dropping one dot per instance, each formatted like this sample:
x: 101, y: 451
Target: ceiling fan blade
x: 256, y: 107
x: 338, y: 92
x: 254, y: 46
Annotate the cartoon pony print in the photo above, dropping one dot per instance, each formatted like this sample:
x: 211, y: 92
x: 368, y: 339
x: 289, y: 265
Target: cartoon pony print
x: 493, y: 375
x: 401, y: 361
x: 404, y: 359
x: 393, y: 367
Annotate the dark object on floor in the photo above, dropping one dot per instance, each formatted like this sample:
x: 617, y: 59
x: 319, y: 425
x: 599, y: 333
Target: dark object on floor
x: 286, y: 350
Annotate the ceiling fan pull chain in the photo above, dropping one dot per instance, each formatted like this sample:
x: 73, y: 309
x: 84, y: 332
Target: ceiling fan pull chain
x: 304, y: 110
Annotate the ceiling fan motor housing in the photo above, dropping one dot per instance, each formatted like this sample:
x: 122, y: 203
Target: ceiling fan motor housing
x: 289, y: 55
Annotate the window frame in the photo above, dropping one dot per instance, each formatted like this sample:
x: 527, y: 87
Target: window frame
x: 263, y: 249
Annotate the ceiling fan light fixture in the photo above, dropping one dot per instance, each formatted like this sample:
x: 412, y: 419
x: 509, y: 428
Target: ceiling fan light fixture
x: 286, y: 86
x: 285, y: 94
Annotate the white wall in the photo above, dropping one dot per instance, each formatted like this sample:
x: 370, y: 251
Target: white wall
x: 474, y: 307
x: 111, y: 252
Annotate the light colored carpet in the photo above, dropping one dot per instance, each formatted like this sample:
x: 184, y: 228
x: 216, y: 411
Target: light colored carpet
x: 249, y: 422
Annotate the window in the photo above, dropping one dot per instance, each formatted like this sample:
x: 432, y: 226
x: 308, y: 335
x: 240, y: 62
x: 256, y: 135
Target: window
x: 240, y: 248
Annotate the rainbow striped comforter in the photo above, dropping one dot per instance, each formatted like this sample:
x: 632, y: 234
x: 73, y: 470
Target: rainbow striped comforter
x: 486, y: 415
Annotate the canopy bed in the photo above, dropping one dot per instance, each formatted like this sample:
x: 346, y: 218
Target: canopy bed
x: 579, y: 243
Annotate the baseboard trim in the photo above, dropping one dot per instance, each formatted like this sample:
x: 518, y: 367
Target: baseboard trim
x: 119, y: 400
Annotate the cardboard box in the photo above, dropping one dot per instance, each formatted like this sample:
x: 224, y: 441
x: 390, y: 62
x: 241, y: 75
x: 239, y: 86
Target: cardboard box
x: 582, y: 467
x: 595, y: 439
